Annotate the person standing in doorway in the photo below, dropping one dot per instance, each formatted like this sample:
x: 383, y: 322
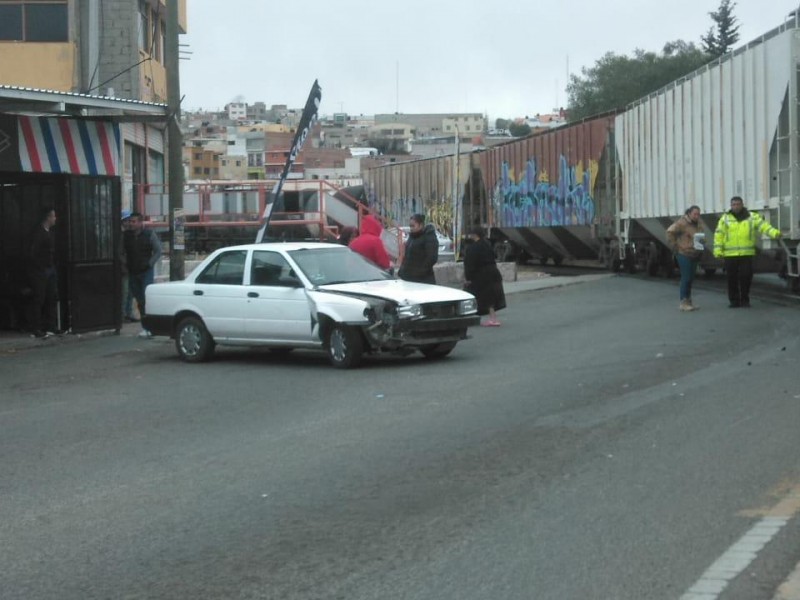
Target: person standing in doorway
x: 735, y: 243
x: 684, y: 237
x: 43, y: 313
x: 127, y: 299
x: 421, y: 252
x: 142, y: 251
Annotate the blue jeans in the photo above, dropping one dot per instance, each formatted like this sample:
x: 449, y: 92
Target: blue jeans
x: 687, y: 266
x: 138, y: 284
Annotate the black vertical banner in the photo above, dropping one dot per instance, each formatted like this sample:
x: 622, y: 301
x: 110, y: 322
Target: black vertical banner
x: 9, y: 144
x: 307, y: 120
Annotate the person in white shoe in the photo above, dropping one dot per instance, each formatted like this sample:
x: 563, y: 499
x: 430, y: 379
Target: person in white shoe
x: 142, y: 251
x: 43, y: 310
x: 682, y: 237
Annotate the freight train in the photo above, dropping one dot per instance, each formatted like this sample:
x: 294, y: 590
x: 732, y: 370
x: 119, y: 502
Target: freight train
x: 605, y: 189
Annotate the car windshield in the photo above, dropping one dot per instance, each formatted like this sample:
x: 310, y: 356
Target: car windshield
x: 335, y: 265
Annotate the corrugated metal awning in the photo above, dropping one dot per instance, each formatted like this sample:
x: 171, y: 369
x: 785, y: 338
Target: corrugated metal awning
x: 54, y: 103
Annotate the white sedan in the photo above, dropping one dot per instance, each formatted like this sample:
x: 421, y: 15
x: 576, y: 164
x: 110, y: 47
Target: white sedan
x: 306, y: 295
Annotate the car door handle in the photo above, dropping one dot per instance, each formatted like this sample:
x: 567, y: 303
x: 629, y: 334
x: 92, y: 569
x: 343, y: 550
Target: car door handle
x: 252, y: 294
x: 198, y: 292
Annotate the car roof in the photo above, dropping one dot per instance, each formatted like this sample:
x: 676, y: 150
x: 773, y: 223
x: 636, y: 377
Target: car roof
x: 285, y: 246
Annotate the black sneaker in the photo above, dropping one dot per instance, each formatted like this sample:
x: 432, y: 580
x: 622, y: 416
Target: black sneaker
x: 39, y: 334
x: 131, y: 319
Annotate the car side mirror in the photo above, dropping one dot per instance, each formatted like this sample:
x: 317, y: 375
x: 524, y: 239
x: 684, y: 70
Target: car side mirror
x: 290, y: 281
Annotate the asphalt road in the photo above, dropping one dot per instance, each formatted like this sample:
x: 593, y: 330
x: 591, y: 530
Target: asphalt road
x: 599, y: 445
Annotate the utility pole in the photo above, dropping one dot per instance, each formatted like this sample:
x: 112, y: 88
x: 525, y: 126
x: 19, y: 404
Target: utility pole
x: 175, y: 143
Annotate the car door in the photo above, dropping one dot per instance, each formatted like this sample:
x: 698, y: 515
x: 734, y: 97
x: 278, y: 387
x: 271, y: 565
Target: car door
x: 220, y: 294
x: 277, y: 306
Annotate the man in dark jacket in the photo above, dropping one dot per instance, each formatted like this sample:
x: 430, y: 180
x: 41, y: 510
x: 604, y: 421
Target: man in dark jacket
x: 142, y: 251
x: 421, y: 252
x: 42, y: 278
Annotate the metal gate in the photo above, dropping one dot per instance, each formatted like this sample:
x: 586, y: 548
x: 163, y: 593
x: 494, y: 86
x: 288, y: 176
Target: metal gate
x: 87, y: 234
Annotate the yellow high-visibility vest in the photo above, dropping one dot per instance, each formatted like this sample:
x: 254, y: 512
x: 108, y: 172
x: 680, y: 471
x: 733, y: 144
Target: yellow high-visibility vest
x: 738, y: 238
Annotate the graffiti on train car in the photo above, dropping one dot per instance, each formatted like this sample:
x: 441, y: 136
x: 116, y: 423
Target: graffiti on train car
x: 399, y: 210
x: 533, y: 200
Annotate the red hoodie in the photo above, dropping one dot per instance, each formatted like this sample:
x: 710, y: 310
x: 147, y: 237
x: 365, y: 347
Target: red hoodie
x: 369, y: 245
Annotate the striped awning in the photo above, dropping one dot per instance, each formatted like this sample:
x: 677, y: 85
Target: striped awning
x: 59, y: 145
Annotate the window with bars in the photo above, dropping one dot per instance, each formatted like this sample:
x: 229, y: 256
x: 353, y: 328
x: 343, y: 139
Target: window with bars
x: 33, y: 21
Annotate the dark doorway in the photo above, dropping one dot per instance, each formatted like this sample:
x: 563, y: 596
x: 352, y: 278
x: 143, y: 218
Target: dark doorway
x: 87, y: 258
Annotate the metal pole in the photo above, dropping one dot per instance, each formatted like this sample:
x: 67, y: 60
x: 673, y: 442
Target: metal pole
x: 175, y: 143
x: 456, y: 228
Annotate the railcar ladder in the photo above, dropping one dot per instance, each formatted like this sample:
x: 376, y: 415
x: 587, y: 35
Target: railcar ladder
x: 791, y: 260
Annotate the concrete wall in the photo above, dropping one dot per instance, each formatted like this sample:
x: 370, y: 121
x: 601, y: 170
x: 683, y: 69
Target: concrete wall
x: 119, y: 48
x: 49, y: 66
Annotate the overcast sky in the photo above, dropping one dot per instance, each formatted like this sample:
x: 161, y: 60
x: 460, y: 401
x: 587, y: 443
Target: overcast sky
x: 505, y: 58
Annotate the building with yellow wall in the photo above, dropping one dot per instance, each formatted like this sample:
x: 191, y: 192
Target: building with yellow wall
x: 109, y: 48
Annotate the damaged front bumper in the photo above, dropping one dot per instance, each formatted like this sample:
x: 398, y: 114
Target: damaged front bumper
x: 416, y: 333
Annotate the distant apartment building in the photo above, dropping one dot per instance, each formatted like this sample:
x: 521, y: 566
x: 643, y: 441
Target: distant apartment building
x: 257, y: 112
x: 205, y: 163
x: 467, y: 126
x: 437, y: 125
x: 391, y: 137
x: 100, y: 47
x: 233, y: 167
x: 342, y: 131
x: 237, y: 111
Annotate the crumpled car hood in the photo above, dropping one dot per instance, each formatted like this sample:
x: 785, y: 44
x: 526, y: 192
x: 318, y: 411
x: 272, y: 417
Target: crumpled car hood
x: 402, y: 292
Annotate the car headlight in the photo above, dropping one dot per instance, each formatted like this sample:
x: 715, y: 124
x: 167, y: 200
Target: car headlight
x: 466, y: 307
x: 410, y: 311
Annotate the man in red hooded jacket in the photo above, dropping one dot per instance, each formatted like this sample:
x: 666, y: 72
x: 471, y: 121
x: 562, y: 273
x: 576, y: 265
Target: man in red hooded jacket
x: 368, y: 243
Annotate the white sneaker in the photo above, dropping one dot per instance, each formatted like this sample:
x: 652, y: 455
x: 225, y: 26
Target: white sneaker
x: 145, y: 334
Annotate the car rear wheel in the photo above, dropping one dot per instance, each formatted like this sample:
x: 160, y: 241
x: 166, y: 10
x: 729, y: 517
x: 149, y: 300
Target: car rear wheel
x: 345, y: 346
x: 192, y: 340
x: 437, y: 350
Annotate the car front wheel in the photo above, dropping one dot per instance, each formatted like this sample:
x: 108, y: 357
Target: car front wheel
x: 192, y: 340
x: 344, y: 346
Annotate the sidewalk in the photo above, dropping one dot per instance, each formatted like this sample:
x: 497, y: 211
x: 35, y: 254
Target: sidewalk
x: 12, y: 342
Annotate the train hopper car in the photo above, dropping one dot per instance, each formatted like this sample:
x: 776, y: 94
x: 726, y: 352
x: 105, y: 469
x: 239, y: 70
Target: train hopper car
x: 727, y: 129
x: 553, y: 195
x: 442, y: 188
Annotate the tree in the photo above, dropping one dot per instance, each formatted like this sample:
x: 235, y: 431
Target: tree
x: 721, y: 36
x: 615, y: 81
x: 519, y: 129
x: 502, y: 124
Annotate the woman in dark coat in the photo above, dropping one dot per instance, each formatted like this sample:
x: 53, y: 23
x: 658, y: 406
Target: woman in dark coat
x: 483, y: 278
x: 421, y: 253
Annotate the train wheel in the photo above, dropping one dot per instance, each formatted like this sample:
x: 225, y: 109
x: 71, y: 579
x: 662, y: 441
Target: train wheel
x: 652, y: 260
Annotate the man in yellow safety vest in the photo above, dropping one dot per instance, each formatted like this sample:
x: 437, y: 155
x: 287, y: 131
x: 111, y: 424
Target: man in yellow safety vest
x: 735, y: 242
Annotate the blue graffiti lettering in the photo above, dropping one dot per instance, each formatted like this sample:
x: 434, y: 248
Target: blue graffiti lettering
x: 529, y: 202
